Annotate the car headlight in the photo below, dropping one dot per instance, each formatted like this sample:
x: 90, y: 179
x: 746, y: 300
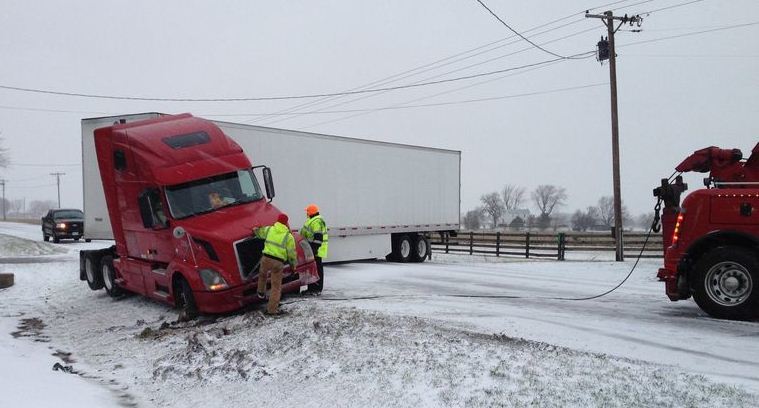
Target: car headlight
x: 212, y: 280
x: 61, y: 225
x: 308, y: 254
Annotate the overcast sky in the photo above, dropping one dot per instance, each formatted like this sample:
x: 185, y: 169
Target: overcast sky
x: 549, y: 124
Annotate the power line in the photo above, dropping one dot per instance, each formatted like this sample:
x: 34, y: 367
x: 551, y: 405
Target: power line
x: 22, y: 108
x: 518, y: 33
x: 730, y: 27
x: 673, y: 6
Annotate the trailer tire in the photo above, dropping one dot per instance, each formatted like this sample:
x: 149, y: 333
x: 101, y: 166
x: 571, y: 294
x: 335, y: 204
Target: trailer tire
x: 185, y: 301
x: 402, y: 248
x: 421, y: 248
x: 725, y: 284
x: 94, y: 279
x: 108, y: 275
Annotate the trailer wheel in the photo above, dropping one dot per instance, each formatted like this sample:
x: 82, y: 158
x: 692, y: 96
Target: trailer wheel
x: 725, y: 284
x: 421, y: 248
x: 108, y: 274
x: 185, y: 301
x: 94, y: 279
x: 402, y: 248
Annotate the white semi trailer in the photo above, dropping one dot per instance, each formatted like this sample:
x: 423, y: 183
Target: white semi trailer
x: 379, y: 199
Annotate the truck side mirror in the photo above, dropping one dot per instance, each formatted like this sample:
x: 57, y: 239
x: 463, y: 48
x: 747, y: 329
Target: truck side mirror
x: 268, y: 183
x: 145, y: 212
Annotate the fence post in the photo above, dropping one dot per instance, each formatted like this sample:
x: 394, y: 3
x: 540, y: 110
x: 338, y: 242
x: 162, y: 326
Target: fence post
x: 447, y: 238
x: 471, y: 243
x: 527, y: 245
x: 498, y: 244
x: 562, y: 245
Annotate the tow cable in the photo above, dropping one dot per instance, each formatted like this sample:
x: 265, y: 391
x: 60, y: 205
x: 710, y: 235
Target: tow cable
x: 655, y: 227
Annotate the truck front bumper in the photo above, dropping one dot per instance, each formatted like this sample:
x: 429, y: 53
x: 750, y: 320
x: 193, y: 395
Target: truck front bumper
x: 236, y: 298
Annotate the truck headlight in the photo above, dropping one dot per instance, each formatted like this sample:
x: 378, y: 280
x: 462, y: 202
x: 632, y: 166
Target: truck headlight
x: 308, y: 254
x: 61, y: 225
x: 212, y: 280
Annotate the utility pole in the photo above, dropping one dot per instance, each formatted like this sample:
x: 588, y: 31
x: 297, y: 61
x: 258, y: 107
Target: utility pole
x: 2, y: 182
x: 606, y: 50
x: 58, y: 181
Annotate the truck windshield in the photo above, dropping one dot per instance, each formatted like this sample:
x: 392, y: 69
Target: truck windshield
x: 212, y: 193
x: 69, y: 214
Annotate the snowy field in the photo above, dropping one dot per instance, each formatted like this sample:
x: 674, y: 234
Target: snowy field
x: 381, y: 335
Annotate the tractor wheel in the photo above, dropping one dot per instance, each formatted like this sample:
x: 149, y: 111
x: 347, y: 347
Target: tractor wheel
x: 108, y: 274
x: 91, y: 267
x: 725, y: 284
x: 185, y: 301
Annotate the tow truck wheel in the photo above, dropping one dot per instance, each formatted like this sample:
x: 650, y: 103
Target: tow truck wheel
x: 185, y: 301
x: 726, y: 283
x: 109, y: 277
x: 421, y: 248
x: 94, y: 279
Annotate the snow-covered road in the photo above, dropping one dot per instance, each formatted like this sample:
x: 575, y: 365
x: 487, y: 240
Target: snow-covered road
x: 411, y: 341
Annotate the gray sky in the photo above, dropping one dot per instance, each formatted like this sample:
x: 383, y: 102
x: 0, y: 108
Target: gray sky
x: 676, y: 95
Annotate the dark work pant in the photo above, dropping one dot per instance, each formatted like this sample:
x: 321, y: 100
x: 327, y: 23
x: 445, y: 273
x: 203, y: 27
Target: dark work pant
x: 318, y: 286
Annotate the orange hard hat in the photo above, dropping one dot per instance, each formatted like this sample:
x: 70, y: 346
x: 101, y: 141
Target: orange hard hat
x: 311, y: 210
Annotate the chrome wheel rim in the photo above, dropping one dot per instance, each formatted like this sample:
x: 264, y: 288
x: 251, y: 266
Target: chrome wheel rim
x: 106, y: 278
x: 728, y: 283
x: 421, y: 248
x: 88, y: 269
x: 405, y: 248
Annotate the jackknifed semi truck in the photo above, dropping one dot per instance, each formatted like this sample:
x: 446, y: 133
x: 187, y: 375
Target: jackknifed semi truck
x: 147, y: 179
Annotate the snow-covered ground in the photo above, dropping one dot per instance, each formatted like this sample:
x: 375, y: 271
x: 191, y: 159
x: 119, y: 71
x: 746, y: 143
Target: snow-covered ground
x: 381, y: 335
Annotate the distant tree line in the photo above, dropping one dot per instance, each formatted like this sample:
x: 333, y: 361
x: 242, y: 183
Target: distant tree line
x: 506, y: 210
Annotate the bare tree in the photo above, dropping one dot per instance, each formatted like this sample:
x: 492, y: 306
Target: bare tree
x: 513, y: 196
x: 606, y: 211
x: 39, y: 208
x: 472, y: 219
x: 492, y: 205
x: 584, y: 220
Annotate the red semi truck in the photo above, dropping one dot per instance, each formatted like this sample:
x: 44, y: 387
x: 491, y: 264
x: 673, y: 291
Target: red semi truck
x: 173, y: 243
x: 711, y: 240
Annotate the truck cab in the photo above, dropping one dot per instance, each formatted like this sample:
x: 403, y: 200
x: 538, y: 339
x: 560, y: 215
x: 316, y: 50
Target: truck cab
x: 711, y: 239
x: 182, y: 198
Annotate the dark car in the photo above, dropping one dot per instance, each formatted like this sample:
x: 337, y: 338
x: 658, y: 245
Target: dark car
x: 63, y: 224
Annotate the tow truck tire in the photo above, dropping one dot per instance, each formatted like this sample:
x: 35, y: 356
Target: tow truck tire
x: 188, y: 309
x: 91, y: 269
x: 421, y: 248
x: 108, y: 275
x: 403, y: 248
x: 725, y: 284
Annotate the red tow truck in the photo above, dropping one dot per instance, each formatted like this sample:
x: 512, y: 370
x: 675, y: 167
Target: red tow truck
x: 711, y: 240
x: 182, y: 198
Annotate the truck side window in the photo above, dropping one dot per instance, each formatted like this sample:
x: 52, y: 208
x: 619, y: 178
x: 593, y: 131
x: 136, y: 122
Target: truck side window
x: 119, y: 160
x: 151, y: 209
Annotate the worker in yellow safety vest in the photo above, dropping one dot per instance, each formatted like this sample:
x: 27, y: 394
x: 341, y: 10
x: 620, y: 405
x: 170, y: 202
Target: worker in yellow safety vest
x: 279, y: 249
x: 315, y: 232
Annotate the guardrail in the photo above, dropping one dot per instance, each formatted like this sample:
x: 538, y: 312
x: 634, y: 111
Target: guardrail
x: 543, y: 245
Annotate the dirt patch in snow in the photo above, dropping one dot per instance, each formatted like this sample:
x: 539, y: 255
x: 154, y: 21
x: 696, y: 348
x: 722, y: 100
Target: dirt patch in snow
x: 350, y: 357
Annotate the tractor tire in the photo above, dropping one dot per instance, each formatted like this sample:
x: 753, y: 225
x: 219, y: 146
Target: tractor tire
x: 6, y: 280
x: 185, y: 301
x: 421, y: 248
x: 108, y: 275
x: 91, y: 269
x: 725, y: 284
x: 402, y: 249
